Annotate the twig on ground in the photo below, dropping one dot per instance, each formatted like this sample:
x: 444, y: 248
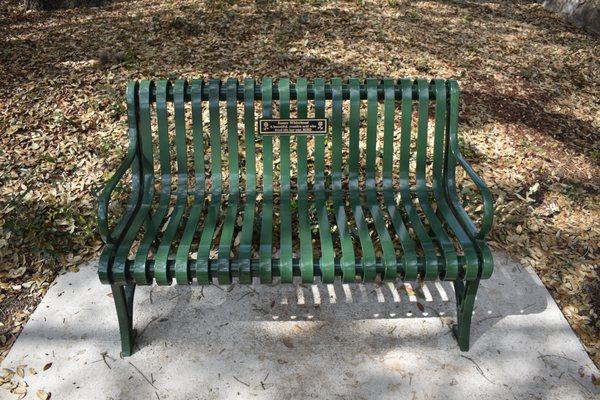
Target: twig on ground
x: 542, y: 356
x: 217, y: 286
x: 104, y: 354
x: 488, y: 318
x: 242, y: 382
x: 246, y: 294
x: 142, y: 374
x: 478, y: 368
x: 262, y: 383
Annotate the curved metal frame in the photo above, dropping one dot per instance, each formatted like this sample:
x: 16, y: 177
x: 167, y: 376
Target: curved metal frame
x: 439, y: 258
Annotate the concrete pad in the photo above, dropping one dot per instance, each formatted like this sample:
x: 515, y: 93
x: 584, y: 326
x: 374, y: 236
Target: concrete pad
x: 296, y: 341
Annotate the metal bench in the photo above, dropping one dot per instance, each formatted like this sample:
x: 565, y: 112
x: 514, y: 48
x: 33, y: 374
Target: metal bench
x: 332, y: 180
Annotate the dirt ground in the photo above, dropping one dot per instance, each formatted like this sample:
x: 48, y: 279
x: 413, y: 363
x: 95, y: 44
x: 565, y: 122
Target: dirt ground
x: 530, y: 116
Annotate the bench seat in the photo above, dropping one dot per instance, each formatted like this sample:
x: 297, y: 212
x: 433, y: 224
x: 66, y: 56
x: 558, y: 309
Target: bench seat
x: 410, y: 259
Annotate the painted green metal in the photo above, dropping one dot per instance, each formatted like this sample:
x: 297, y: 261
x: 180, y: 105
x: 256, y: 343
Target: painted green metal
x: 347, y: 247
x: 409, y: 268
x: 140, y: 271
x: 453, y: 156
x: 364, y: 207
x: 161, y: 272
x: 224, y: 274
x: 366, y: 245
x: 245, y: 249
x: 385, y: 241
x: 437, y: 233
x: 306, y: 250
x: 444, y: 211
x: 430, y: 267
x: 202, y: 272
x: 182, y: 271
x: 131, y: 162
x: 266, y: 229
x: 117, y: 271
x: 285, y: 207
x: 123, y: 297
x: 326, y: 241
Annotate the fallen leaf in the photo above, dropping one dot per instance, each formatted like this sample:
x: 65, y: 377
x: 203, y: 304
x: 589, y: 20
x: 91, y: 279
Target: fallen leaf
x: 17, y: 272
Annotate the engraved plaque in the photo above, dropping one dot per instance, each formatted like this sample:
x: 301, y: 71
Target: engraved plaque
x: 292, y: 126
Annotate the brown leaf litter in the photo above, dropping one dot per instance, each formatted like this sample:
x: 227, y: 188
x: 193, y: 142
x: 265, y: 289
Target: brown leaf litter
x: 530, y: 116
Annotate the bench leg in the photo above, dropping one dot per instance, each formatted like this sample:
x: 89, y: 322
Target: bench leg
x: 465, y: 300
x: 123, y: 296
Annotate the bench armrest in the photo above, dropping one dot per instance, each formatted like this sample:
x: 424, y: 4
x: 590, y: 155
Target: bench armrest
x: 454, y: 157
x: 129, y: 162
x: 105, y: 197
x: 486, y: 195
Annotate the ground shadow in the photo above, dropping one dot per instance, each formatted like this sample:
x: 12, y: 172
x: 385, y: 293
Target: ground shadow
x: 513, y: 290
x: 222, y: 341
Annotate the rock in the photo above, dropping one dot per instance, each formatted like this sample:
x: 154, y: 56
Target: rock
x: 583, y: 13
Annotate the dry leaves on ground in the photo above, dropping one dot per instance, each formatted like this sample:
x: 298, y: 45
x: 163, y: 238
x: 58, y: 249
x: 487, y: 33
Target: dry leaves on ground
x: 530, y: 116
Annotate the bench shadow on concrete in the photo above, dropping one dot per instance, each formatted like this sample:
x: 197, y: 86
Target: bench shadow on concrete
x: 191, y: 334
x: 512, y: 290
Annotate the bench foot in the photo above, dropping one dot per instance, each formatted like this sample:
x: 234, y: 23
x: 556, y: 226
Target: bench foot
x: 123, y: 296
x: 465, y: 301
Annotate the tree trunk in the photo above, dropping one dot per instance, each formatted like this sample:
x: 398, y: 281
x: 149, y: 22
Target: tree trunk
x: 47, y: 5
x: 583, y: 13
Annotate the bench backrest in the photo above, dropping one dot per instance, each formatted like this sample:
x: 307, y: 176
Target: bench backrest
x: 385, y: 134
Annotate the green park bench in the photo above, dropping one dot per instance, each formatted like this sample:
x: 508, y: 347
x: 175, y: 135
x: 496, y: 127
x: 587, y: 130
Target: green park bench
x: 235, y: 181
